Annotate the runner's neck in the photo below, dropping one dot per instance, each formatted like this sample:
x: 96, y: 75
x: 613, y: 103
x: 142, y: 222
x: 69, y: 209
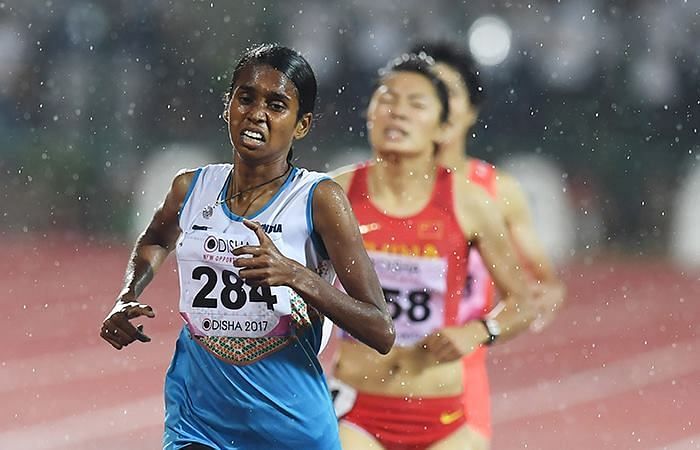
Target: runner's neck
x: 402, y: 181
x: 452, y: 155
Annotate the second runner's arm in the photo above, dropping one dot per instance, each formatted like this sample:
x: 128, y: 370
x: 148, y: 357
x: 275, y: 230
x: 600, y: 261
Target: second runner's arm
x: 485, y: 226
x: 550, y: 292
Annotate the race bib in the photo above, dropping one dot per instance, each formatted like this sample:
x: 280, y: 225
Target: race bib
x: 414, y: 288
x: 215, y: 301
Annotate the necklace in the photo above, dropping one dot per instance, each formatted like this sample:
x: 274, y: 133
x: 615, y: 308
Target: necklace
x: 209, y: 209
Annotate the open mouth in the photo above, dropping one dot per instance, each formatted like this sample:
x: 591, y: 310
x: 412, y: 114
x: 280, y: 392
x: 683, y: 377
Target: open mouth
x: 253, y: 135
x: 393, y: 133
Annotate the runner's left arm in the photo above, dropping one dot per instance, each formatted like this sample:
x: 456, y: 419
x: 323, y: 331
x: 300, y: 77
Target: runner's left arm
x: 550, y: 291
x: 484, y: 225
x: 361, y: 312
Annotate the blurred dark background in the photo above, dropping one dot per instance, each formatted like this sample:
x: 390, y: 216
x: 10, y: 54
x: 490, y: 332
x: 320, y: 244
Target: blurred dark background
x: 593, y: 105
x: 608, y: 91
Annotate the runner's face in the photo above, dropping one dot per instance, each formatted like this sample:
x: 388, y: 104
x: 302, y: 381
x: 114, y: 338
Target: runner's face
x: 404, y: 114
x: 462, y: 113
x: 262, y: 114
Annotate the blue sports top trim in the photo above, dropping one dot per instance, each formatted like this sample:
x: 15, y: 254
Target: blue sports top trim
x: 189, y: 190
x: 315, y: 238
x: 233, y: 216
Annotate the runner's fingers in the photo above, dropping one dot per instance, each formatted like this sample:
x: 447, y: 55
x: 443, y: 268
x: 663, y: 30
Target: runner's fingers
x: 118, y: 320
x: 433, y: 342
x: 140, y: 335
x: 116, y: 335
x: 112, y: 342
x: 254, y: 250
x: 249, y: 263
x: 106, y: 326
x: 453, y: 354
x: 113, y: 334
x: 440, y: 354
x: 252, y: 275
x: 447, y: 353
x: 441, y: 348
x: 125, y: 330
x: 258, y: 230
x: 426, y: 343
x: 138, y: 311
x: 541, y: 321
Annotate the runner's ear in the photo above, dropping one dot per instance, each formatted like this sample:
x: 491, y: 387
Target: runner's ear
x: 303, y: 126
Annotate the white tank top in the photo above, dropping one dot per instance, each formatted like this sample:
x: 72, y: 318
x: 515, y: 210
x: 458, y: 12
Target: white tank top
x: 214, y: 300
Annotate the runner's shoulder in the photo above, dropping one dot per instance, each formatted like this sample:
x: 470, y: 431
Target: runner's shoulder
x: 343, y: 175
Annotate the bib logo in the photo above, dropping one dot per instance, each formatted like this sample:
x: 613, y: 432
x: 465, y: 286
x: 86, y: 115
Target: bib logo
x: 396, y: 266
x: 274, y: 228
x: 219, y: 245
x: 428, y: 250
x: 222, y: 325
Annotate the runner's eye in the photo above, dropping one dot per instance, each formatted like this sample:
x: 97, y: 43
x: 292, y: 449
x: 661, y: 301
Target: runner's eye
x: 277, y: 106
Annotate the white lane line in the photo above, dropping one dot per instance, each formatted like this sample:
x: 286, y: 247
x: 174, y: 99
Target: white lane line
x: 553, y: 395
x: 617, y: 377
x: 588, y: 323
x: 83, y: 363
x: 88, y: 426
x: 691, y: 443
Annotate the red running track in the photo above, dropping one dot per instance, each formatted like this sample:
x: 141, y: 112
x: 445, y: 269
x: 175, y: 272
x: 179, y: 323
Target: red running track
x: 618, y: 369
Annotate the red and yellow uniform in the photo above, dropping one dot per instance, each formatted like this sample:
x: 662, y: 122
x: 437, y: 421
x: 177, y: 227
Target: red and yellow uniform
x: 423, y: 257
x: 421, y: 261
x: 478, y: 300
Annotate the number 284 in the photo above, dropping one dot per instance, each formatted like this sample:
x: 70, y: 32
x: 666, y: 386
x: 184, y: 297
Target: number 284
x: 233, y: 295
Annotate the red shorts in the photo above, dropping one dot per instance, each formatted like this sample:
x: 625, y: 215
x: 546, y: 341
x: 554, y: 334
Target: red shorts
x: 407, y: 424
x: 476, y: 396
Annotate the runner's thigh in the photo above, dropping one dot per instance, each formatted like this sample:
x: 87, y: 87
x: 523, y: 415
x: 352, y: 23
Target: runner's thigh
x: 354, y: 438
x: 465, y: 438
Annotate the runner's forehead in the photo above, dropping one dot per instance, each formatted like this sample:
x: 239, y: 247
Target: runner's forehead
x: 266, y: 81
x: 406, y: 83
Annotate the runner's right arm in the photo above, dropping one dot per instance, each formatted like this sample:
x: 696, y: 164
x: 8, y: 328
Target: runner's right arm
x: 149, y: 252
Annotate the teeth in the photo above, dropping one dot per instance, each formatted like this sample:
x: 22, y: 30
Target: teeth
x: 393, y: 133
x: 253, y: 135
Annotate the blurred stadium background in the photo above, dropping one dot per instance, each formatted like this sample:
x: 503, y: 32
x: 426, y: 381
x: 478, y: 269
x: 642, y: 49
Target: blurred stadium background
x: 593, y: 105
